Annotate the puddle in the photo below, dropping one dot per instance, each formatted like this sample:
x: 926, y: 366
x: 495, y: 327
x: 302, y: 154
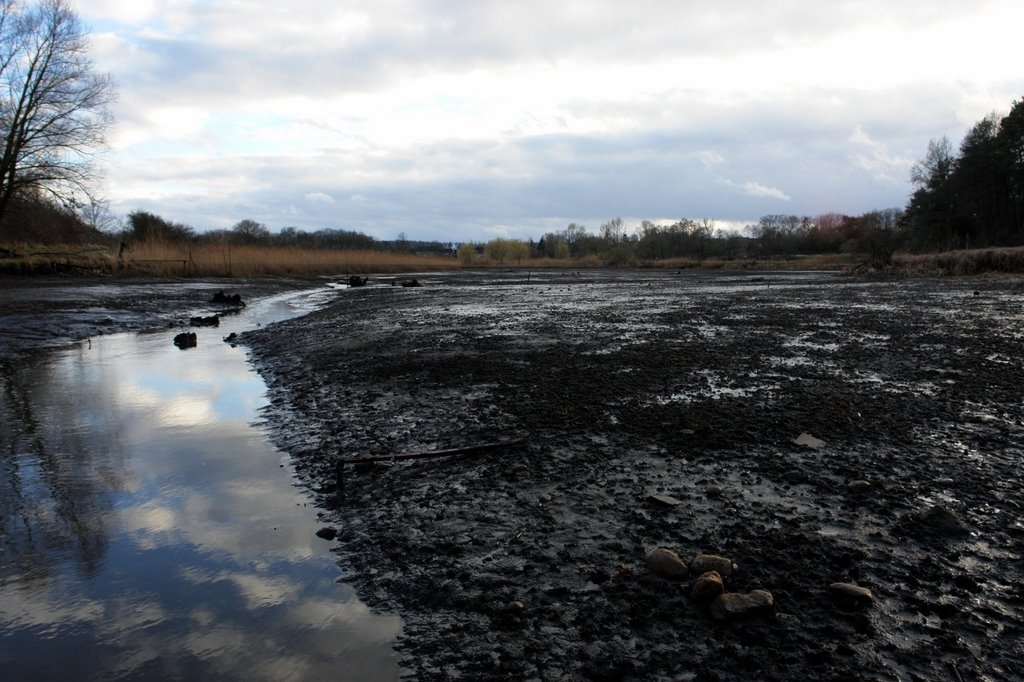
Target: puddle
x: 150, y: 531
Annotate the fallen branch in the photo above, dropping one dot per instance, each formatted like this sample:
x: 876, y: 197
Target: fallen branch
x: 339, y: 465
x: 469, y: 449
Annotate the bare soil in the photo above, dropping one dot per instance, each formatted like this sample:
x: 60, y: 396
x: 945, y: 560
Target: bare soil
x: 528, y: 561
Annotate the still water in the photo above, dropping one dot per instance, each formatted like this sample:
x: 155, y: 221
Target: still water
x: 149, y: 531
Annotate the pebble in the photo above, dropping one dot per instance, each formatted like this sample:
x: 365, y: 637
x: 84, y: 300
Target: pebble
x: 851, y: 594
x: 858, y: 487
x: 736, y: 605
x: 711, y: 562
x: 708, y: 586
x: 714, y: 491
x: 666, y: 563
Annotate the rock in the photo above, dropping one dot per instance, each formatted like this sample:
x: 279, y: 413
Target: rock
x: 223, y: 299
x: 809, y: 441
x: 858, y: 487
x: 186, y: 340
x: 327, y: 533
x: 231, y: 338
x: 850, y: 594
x: 666, y: 563
x: 515, y: 607
x: 209, y: 321
x: 735, y: 605
x: 711, y: 562
x: 708, y: 586
x: 664, y: 500
x: 714, y: 491
x: 941, y: 519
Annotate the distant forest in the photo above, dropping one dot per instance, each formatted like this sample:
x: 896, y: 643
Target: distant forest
x: 972, y: 198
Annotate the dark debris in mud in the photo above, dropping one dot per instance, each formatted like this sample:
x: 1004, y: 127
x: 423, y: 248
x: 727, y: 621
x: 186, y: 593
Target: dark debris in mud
x: 527, y: 562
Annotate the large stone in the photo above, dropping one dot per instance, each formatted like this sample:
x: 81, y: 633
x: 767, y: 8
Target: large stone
x: 327, y: 533
x: 735, y: 605
x: 664, y: 500
x: 711, y: 562
x: 941, y: 519
x: 850, y: 595
x: 809, y: 441
x: 666, y: 563
x: 708, y: 586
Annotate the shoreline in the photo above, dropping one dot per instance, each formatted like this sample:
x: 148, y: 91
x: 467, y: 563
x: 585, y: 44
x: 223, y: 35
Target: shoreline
x: 664, y: 411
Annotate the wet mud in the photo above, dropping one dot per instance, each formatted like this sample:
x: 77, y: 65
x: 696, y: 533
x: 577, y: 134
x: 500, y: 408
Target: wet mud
x: 41, y: 312
x: 660, y: 410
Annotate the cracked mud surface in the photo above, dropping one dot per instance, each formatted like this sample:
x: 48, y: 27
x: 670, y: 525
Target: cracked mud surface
x: 527, y: 562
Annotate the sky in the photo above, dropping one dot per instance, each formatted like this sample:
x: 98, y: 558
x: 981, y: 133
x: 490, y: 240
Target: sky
x: 466, y: 120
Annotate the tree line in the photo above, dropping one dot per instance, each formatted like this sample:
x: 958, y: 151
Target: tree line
x: 974, y: 198
x: 876, y: 235
x: 143, y: 226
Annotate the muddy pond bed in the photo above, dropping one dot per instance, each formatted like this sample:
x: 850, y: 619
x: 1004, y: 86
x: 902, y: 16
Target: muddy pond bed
x: 721, y: 415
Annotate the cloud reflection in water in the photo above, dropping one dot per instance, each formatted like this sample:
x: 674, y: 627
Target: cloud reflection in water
x: 148, y: 529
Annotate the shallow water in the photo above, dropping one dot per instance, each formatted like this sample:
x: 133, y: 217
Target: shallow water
x: 150, y: 531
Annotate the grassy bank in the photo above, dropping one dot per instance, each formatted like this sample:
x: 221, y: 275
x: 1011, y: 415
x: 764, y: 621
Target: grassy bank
x: 161, y: 259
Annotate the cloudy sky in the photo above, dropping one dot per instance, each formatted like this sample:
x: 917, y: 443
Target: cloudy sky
x: 469, y: 119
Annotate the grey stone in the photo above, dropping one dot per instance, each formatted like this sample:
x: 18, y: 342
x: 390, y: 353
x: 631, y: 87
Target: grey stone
x: 711, y: 562
x: 858, y: 487
x: 736, y: 605
x: 809, y: 441
x: 849, y: 593
x: 714, y: 491
x: 942, y: 519
x: 666, y: 563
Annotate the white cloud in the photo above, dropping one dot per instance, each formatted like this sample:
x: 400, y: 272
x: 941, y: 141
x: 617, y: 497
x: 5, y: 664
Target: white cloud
x: 756, y: 189
x: 320, y: 198
x: 445, y: 119
x: 875, y: 157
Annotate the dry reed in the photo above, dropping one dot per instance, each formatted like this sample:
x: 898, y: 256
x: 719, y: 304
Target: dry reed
x: 961, y: 263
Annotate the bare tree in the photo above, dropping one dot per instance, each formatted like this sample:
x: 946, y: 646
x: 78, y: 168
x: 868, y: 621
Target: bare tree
x: 97, y: 214
x: 53, y: 105
x: 249, y: 231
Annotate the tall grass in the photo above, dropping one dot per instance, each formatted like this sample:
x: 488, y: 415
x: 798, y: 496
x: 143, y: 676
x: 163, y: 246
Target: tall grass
x: 255, y: 261
x: 163, y: 259
x: 960, y: 263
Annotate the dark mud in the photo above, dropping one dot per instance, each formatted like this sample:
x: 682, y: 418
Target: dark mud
x: 40, y: 312
x: 527, y: 562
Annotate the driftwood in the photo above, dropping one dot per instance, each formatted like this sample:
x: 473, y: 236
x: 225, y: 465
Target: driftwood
x: 339, y: 466
x: 469, y: 449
